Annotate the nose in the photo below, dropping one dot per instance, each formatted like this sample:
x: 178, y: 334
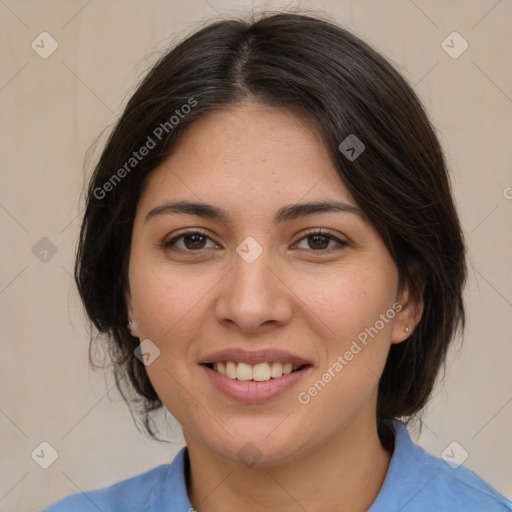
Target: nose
x: 253, y: 297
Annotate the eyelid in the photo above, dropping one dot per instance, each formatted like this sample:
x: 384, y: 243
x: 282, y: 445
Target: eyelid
x: 169, y: 242
x: 325, y: 232
x: 315, y: 231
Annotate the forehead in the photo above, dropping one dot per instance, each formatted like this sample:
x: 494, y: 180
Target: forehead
x: 251, y: 155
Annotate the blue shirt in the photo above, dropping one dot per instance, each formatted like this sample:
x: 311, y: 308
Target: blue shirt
x: 415, y: 482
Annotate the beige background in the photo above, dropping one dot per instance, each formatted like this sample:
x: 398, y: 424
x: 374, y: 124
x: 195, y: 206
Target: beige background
x: 52, y: 110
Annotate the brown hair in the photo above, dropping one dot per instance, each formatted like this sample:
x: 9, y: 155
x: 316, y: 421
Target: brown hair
x: 343, y: 87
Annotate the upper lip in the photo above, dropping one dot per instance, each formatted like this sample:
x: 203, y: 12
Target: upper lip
x: 254, y: 356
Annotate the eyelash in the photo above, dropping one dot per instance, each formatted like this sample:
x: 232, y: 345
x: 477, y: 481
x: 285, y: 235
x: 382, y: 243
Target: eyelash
x: 341, y: 243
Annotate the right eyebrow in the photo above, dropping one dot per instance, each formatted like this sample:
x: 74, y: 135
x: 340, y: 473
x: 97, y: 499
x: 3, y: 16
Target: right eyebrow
x: 190, y: 208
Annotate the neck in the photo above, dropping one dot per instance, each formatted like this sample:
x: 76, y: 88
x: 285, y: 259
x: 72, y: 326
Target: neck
x: 344, y: 474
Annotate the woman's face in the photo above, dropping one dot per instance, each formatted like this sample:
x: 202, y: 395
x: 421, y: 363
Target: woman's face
x: 232, y: 272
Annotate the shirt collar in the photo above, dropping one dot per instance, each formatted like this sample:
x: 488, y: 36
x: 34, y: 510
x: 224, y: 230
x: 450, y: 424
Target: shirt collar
x: 407, y: 472
x: 399, y: 473
x: 171, y: 492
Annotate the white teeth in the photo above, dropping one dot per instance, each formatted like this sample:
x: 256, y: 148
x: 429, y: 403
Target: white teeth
x: 244, y: 371
x: 287, y: 368
x: 259, y: 372
x: 221, y: 367
x: 231, y: 369
x: 276, y: 369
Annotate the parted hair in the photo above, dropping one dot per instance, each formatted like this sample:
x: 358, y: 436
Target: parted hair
x: 343, y: 87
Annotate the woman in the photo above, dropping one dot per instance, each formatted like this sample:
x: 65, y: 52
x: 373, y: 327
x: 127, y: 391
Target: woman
x: 271, y: 247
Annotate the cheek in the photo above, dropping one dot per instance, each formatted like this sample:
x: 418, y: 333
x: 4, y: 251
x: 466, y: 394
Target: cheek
x: 168, y: 306
x: 166, y: 302
x: 349, y: 301
x: 356, y: 342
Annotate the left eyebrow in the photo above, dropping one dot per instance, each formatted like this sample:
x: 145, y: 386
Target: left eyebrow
x: 286, y: 213
x: 294, y: 211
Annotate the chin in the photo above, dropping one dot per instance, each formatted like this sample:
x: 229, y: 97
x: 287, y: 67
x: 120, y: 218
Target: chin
x: 261, y: 444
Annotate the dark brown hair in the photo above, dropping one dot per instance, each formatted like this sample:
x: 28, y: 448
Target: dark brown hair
x: 342, y: 87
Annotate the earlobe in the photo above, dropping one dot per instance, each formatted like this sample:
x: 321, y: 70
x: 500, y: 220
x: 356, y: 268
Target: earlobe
x: 405, y: 324
x: 411, y: 302
x: 130, y: 326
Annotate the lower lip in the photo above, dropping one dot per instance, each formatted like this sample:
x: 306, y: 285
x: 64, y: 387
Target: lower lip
x: 250, y: 391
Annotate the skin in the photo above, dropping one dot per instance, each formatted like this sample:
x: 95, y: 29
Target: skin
x: 251, y: 160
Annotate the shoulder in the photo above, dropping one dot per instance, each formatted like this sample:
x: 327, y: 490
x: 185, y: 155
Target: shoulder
x: 141, y: 493
x: 126, y: 495
x: 459, y: 488
x: 417, y: 481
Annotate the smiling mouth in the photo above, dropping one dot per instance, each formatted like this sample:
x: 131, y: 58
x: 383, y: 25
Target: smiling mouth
x: 258, y: 372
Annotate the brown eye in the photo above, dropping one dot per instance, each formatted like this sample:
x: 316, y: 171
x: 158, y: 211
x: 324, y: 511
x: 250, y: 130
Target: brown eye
x: 320, y: 241
x: 192, y: 241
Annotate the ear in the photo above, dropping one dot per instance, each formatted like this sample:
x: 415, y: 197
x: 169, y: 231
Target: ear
x: 410, y: 299
x: 132, y: 325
